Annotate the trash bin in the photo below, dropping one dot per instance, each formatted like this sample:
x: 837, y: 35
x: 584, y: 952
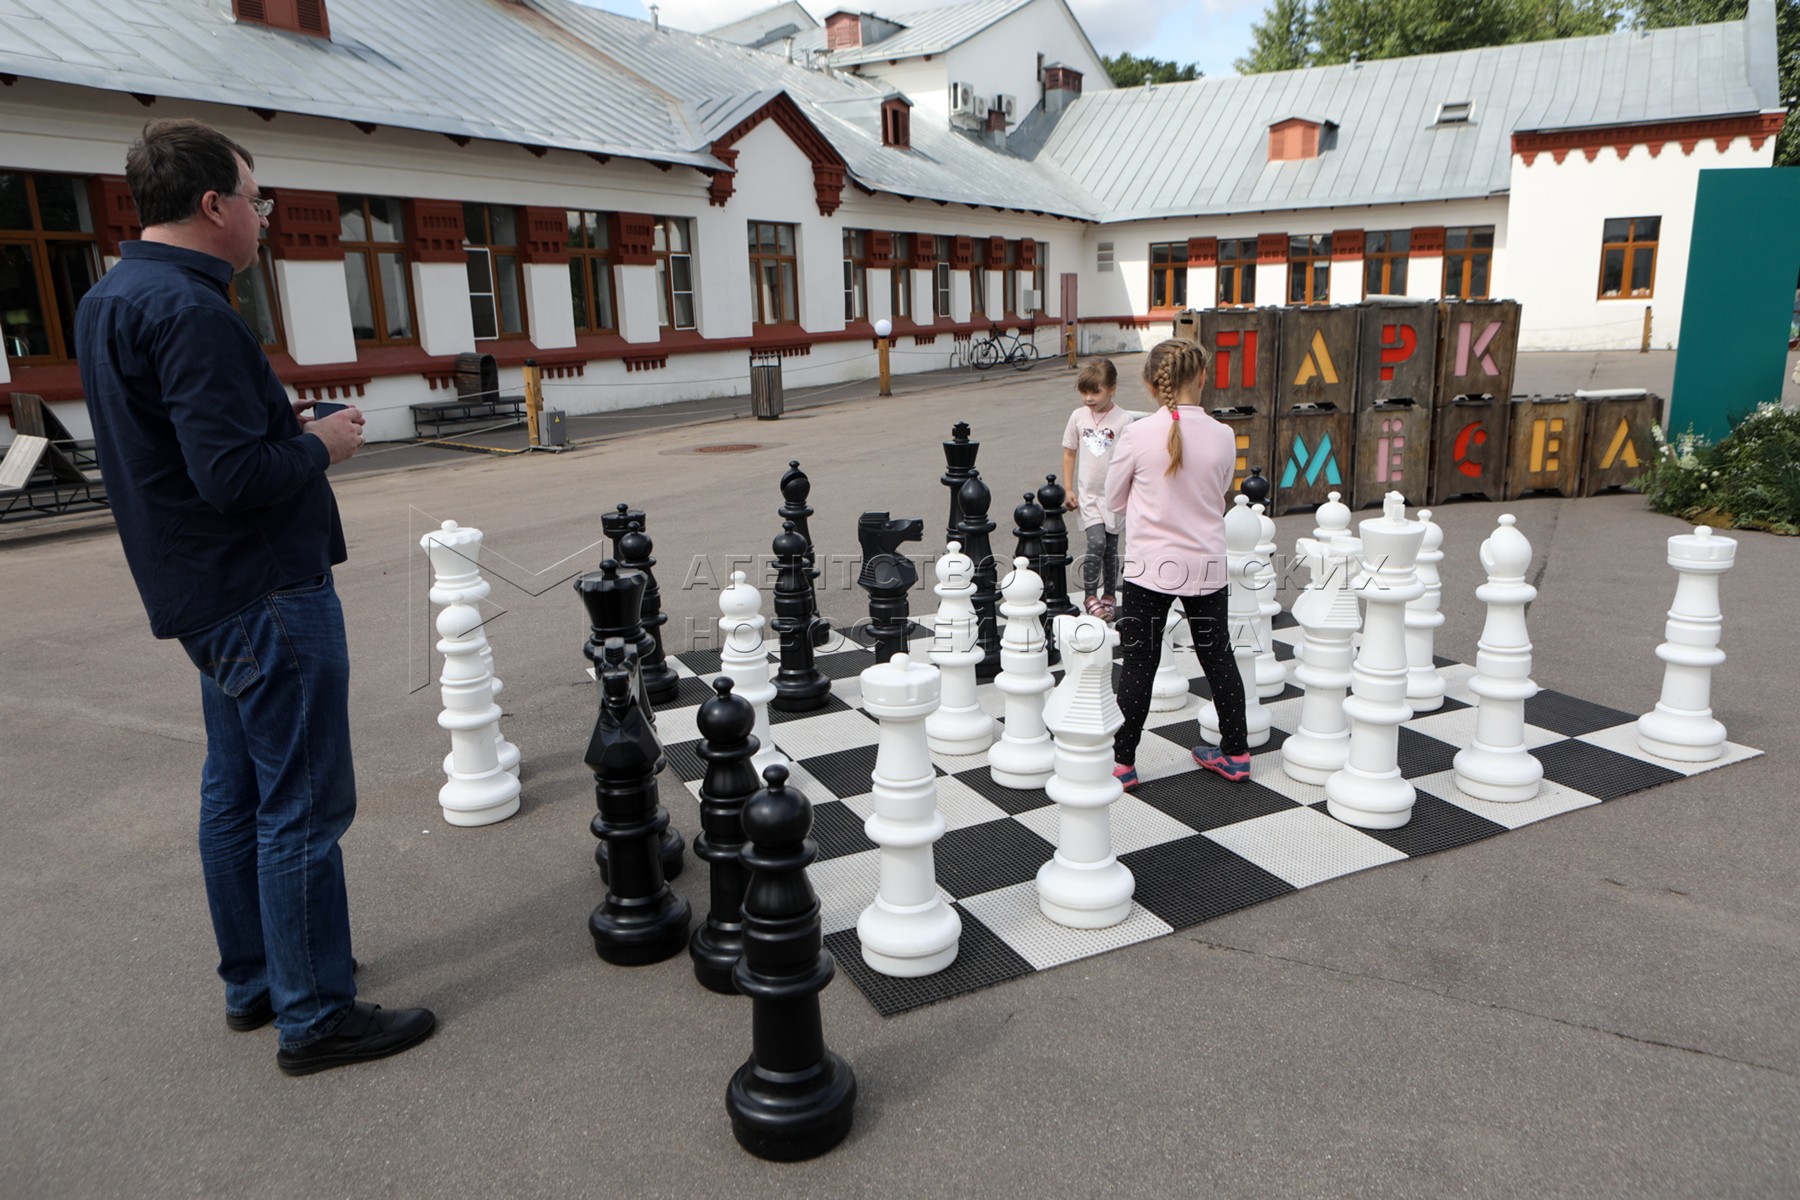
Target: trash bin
x: 765, y: 386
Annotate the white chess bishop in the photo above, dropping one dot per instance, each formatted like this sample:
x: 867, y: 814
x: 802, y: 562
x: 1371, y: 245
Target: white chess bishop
x: 1242, y: 529
x: 1084, y: 885
x: 959, y: 726
x: 908, y: 931
x: 745, y: 661
x: 1369, y: 791
x: 1682, y: 726
x: 455, y: 554
x: 1024, y: 757
x: 1495, y: 765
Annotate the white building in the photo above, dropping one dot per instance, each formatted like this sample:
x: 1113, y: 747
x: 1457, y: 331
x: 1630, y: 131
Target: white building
x: 637, y: 209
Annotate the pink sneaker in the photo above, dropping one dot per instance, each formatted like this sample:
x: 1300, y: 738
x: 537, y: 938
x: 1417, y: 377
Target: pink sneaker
x: 1127, y: 776
x: 1235, y: 767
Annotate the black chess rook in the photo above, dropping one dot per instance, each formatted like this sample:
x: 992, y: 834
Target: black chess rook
x: 973, y: 535
x: 888, y: 575
x: 794, y: 1099
x: 799, y: 684
x: 641, y: 920
x: 726, y: 747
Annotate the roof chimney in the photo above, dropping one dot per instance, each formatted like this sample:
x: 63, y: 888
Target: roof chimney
x: 843, y: 31
x: 1062, y: 87
x: 655, y: 19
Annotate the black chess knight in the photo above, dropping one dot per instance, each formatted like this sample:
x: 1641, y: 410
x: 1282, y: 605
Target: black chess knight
x: 888, y: 575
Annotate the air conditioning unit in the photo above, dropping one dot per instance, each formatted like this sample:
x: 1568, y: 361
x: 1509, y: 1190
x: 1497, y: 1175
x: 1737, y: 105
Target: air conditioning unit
x: 1031, y: 299
x: 963, y: 101
x: 1008, y: 105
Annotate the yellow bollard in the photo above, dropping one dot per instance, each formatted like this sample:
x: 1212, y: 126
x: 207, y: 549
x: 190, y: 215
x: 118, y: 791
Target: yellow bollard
x: 534, y: 398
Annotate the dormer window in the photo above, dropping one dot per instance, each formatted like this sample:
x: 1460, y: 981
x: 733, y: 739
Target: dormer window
x: 843, y: 31
x: 1300, y: 137
x: 896, y: 123
x: 1454, y: 112
x: 295, y: 16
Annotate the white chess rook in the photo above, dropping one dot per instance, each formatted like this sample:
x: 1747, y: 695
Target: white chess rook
x: 1369, y: 791
x: 1242, y: 528
x: 1329, y: 618
x: 1271, y: 675
x: 1024, y: 757
x: 1495, y: 765
x: 1169, y: 687
x: 1084, y: 885
x: 745, y: 661
x: 908, y: 931
x: 455, y: 554
x: 1424, y: 684
x: 1682, y: 726
x: 959, y: 726
x: 479, y: 791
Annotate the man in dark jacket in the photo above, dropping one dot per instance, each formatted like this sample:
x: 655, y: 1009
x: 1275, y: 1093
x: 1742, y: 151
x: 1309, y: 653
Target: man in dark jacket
x: 217, y: 483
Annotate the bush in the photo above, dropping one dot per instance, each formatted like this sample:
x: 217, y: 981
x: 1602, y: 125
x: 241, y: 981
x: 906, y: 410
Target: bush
x: 1750, y: 480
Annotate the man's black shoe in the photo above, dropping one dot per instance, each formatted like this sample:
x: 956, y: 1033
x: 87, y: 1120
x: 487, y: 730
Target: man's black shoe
x: 368, y: 1031
x: 262, y: 1012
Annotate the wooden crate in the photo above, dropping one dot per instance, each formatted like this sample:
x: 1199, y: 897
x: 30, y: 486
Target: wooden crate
x: 1479, y: 351
x: 1397, y: 359
x: 1469, y: 437
x: 1315, y: 404
x: 1619, y: 443
x: 1255, y: 433
x: 1314, y: 456
x: 1393, y: 452
x: 1243, y: 352
x: 1544, y: 450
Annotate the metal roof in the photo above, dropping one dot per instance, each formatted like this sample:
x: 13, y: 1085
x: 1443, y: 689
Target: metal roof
x: 1202, y: 147
x: 928, y: 31
x: 771, y: 24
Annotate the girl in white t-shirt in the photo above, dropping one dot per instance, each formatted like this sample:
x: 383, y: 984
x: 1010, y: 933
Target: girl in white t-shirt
x: 1088, y: 440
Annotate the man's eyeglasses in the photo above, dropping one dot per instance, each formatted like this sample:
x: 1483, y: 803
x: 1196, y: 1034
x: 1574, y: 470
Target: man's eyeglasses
x: 262, y: 204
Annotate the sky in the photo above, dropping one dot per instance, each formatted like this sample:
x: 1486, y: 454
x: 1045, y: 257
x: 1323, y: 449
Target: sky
x: 1210, y: 33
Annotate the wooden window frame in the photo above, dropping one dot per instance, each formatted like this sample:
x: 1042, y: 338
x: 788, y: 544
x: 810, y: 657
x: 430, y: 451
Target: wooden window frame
x: 856, y: 275
x: 1309, y: 265
x: 1237, y: 264
x: 1381, y: 256
x: 371, y: 252
x: 663, y: 238
x: 761, y: 256
x: 1172, y: 272
x: 942, y: 294
x: 592, y: 266
x: 1009, y: 282
x: 1629, y: 248
x: 978, y: 290
x: 37, y: 240
x: 1465, y: 257
x: 264, y: 266
x: 496, y: 253
x: 1040, y: 273
x: 900, y: 278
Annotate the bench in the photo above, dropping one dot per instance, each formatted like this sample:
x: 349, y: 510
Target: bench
x: 47, y: 472
x: 478, y: 402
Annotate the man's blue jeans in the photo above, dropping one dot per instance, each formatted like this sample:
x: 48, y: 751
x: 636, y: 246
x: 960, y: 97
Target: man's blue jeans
x: 277, y: 793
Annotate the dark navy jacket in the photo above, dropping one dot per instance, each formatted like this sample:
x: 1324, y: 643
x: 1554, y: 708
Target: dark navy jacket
x: 219, y: 497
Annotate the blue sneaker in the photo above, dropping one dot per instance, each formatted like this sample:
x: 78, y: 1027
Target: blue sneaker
x: 1235, y: 767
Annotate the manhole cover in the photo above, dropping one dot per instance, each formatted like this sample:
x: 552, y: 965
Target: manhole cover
x: 728, y: 448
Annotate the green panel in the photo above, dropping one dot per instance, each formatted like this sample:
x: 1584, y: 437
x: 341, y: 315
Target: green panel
x: 1742, y: 264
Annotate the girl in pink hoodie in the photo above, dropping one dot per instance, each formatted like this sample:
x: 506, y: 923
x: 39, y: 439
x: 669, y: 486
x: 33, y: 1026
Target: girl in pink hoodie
x: 1170, y: 473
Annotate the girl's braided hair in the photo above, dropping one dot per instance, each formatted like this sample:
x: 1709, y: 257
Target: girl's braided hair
x: 1169, y: 369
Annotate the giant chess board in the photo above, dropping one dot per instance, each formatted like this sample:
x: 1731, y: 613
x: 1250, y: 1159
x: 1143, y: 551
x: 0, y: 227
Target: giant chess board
x: 1198, y: 846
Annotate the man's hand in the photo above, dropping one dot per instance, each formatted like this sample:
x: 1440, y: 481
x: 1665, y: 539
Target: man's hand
x: 300, y: 414
x: 342, y: 433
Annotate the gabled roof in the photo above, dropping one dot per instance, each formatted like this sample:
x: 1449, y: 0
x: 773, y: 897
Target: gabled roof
x: 1197, y: 148
x: 763, y: 28
x: 928, y: 31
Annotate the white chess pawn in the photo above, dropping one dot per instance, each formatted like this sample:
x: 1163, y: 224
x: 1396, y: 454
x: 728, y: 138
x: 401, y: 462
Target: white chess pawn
x: 908, y: 931
x: 745, y: 661
x: 1329, y: 618
x: 479, y: 791
x: 1169, y: 687
x: 1424, y: 684
x: 1682, y: 726
x: 959, y: 726
x: 1369, y: 791
x: 1495, y: 765
x: 1242, y: 528
x: 1271, y: 676
x: 1084, y: 886
x: 1024, y: 756
x: 455, y: 554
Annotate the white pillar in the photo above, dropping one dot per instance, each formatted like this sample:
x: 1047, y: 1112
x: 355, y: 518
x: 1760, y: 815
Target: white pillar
x: 908, y: 931
x: 1084, y: 886
x: 1424, y: 684
x: 478, y: 791
x: 635, y: 302
x: 441, y: 301
x: 959, y: 726
x: 549, y: 305
x: 1495, y: 765
x: 1370, y: 792
x: 315, y: 311
x: 1329, y: 618
x: 960, y: 296
x: 1682, y: 726
x: 1024, y: 757
x: 745, y: 661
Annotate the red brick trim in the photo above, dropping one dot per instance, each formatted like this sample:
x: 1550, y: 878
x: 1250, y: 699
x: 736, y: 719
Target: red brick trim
x: 1347, y: 243
x: 546, y: 236
x: 115, y: 212
x: 1203, y: 252
x: 828, y: 164
x: 1427, y: 240
x: 328, y: 387
x: 435, y: 230
x: 880, y: 249
x: 304, y: 226
x: 995, y: 254
x: 1027, y: 252
x: 1271, y: 247
x: 723, y: 183
x: 962, y: 252
x: 1721, y: 131
x: 633, y: 239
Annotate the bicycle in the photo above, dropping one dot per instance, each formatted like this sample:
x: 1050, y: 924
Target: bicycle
x: 1000, y: 347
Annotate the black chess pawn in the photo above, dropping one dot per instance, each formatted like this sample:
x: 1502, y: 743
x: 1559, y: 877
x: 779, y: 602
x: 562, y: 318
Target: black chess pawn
x: 641, y: 920
x: 975, y: 543
x: 1053, y: 499
x: 959, y: 456
x: 616, y: 523
x: 795, y: 487
x: 799, y: 684
x: 660, y: 681
x: 888, y: 576
x: 1028, y: 527
x: 614, y: 600
x: 1256, y: 488
x: 794, y: 1098
x: 726, y: 746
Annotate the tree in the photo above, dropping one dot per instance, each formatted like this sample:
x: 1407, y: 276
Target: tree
x: 1128, y: 70
x: 1283, y: 39
x: 1662, y: 14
